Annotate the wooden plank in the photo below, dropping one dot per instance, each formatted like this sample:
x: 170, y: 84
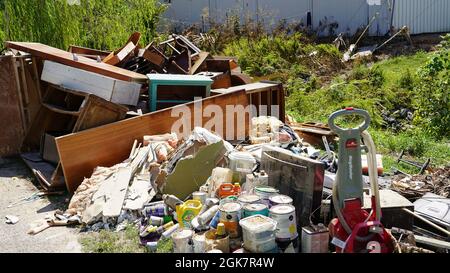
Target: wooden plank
x: 115, y: 58
x: 64, y: 57
x: 113, y: 205
x: 12, y: 131
x: 108, y: 88
x: 107, y: 145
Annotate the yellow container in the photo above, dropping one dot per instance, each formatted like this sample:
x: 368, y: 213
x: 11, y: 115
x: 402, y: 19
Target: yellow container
x: 187, y: 211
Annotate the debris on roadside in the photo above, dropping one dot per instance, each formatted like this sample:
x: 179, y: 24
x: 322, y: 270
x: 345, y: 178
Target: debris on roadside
x: 11, y: 219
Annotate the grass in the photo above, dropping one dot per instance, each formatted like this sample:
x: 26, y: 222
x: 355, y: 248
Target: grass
x: 389, y: 83
x: 126, y: 241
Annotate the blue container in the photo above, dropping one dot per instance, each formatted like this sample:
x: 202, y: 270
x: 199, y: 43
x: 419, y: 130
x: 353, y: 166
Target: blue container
x: 215, y: 220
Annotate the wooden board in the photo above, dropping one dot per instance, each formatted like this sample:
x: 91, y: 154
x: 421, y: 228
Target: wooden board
x: 12, y: 132
x: 107, y: 145
x: 108, y: 88
x: 57, y: 55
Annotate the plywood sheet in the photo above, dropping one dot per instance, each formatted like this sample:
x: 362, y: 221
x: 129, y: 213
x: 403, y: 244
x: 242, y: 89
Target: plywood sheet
x: 110, y: 144
x: 57, y: 55
x: 12, y: 133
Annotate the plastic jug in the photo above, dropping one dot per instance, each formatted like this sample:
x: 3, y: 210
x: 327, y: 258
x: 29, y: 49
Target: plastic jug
x: 187, y: 211
x: 228, y: 189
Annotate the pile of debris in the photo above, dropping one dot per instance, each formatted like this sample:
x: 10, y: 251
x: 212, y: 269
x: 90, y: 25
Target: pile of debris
x: 414, y: 187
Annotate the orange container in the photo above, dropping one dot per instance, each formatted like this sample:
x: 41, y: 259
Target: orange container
x: 228, y: 189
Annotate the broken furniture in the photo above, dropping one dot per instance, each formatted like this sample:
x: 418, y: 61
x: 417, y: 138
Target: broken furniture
x: 80, y: 153
x: 299, y: 177
x: 422, y: 166
x: 267, y: 97
x: 64, y: 111
x: 46, y: 52
x: 312, y: 132
x: 110, y: 89
x: 167, y: 90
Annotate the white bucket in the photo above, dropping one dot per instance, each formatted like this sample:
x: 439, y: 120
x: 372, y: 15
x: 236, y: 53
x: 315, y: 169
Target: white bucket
x: 182, y: 241
x: 284, y: 215
x: 199, y: 241
x: 258, y: 233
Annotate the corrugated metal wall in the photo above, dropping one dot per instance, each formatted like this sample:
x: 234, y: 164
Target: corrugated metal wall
x: 422, y: 16
x: 329, y: 17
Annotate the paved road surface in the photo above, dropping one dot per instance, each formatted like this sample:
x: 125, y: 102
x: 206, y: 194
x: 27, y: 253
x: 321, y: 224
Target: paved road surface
x: 15, y: 184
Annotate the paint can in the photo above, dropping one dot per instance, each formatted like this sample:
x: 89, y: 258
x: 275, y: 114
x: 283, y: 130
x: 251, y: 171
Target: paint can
x: 211, y: 201
x: 280, y: 199
x: 199, y: 241
x: 152, y: 246
x: 200, y: 196
x: 158, y: 209
x: 246, y: 198
x: 254, y: 209
x: 284, y: 215
x: 182, y: 241
x: 258, y: 233
x: 156, y: 221
x: 265, y: 192
x: 230, y: 214
x: 284, y: 244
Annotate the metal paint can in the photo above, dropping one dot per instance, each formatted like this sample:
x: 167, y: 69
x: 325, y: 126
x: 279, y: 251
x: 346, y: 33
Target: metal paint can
x: 284, y: 215
x: 182, y: 241
x: 152, y: 246
x: 156, y: 221
x: 230, y: 214
x: 158, y: 210
x: 199, y: 241
x: 254, y: 209
x: 265, y: 192
x: 200, y: 196
x: 280, y: 199
x: 246, y: 198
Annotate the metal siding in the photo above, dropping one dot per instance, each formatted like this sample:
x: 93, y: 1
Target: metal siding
x: 348, y: 14
x: 422, y: 16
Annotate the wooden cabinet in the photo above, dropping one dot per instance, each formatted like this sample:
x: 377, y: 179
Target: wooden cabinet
x: 63, y: 111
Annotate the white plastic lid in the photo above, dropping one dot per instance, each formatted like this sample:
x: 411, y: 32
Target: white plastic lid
x: 265, y: 189
x: 230, y: 207
x: 280, y: 199
x: 248, y: 198
x: 258, y: 223
x: 282, y: 209
x: 255, y: 207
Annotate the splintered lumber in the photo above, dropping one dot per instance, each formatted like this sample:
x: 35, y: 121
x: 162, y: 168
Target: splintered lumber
x: 110, y: 144
x: 57, y: 55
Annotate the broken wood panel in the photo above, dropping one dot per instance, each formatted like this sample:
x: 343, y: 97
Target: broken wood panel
x: 64, y: 57
x: 81, y: 80
x: 117, y: 193
x: 10, y: 109
x: 107, y: 145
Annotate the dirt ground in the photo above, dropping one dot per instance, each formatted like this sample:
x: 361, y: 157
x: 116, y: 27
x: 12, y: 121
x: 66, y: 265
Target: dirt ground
x: 16, y: 183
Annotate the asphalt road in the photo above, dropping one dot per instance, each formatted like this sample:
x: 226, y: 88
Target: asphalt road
x: 16, y: 184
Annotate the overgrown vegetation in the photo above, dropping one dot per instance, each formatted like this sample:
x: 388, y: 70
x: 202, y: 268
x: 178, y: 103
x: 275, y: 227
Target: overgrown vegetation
x: 99, y: 24
x: 113, y: 242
